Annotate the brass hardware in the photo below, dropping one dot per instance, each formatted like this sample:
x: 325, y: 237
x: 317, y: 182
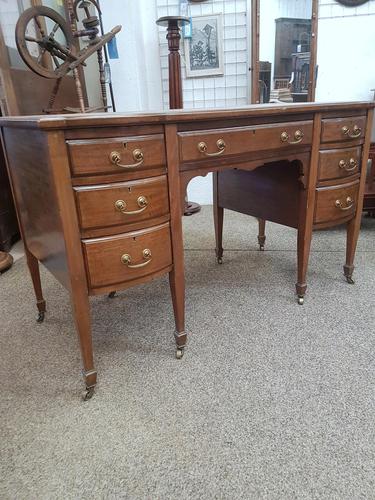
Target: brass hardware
x: 142, y: 201
x: 356, y: 131
x: 202, y: 148
x: 298, y: 136
x: 138, y: 156
x: 126, y: 259
x: 349, y: 204
x: 348, y: 167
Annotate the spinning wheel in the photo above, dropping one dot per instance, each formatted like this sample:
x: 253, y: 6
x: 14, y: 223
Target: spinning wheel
x: 45, y: 42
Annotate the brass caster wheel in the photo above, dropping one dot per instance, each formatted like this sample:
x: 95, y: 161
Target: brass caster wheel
x: 88, y: 394
x: 261, y: 248
x: 300, y: 301
x: 220, y: 260
x: 40, y: 317
x: 112, y: 295
x: 179, y: 352
x: 350, y: 280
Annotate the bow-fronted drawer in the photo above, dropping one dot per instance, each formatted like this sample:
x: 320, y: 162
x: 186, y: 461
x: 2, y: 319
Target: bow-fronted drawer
x: 116, y: 155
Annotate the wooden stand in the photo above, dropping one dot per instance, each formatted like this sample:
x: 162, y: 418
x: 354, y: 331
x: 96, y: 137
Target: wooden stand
x: 173, y: 25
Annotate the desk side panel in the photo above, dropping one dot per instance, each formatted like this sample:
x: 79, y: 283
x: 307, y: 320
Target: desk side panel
x: 35, y: 195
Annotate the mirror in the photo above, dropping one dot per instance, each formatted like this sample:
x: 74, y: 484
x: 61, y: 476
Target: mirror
x: 286, y: 50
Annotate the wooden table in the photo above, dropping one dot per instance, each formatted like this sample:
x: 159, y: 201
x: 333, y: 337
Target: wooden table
x: 100, y: 197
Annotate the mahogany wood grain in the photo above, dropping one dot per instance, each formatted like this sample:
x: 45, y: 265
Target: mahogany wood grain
x: 32, y: 179
x: 242, y: 140
x: 325, y: 205
x: 93, y: 156
x: 332, y: 129
x: 329, y: 163
x: 97, y: 204
x: 103, y: 255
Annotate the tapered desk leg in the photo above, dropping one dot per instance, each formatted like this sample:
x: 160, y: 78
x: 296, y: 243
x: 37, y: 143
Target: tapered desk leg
x: 81, y: 308
x: 33, y: 265
x: 218, y: 221
x: 352, y: 233
x: 303, y: 253
x: 353, y: 226
x: 177, y: 275
x: 262, y: 233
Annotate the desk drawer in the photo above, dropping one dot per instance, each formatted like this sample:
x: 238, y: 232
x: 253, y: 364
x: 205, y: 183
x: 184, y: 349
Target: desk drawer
x: 343, y: 129
x: 241, y: 140
x: 115, y: 155
x: 128, y: 256
x: 336, y: 203
x: 122, y: 203
x: 337, y: 163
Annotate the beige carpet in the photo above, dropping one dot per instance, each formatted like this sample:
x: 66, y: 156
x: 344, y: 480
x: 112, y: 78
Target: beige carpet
x: 272, y: 400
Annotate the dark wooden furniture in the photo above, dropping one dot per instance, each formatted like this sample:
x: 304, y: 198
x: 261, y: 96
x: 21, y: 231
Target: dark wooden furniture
x: 100, y: 197
x: 9, y: 232
x: 369, y: 198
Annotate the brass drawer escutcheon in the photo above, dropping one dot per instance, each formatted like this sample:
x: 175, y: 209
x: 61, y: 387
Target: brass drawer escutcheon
x: 348, y: 166
x: 202, y: 148
x: 298, y: 136
x: 126, y: 259
x: 356, y: 131
x: 349, y: 204
x: 142, y: 201
x: 138, y: 156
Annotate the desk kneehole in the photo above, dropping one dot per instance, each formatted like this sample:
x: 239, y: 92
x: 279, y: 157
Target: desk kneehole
x: 335, y: 203
x: 129, y: 256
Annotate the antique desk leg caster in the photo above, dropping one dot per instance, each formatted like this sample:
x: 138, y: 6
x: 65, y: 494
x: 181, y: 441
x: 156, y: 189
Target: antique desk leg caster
x: 301, y: 291
x: 112, y: 295
x: 348, y: 273
x: 219, y: 256
x: 180, y: 344
x: 90, y: 380
x: 41, y: 305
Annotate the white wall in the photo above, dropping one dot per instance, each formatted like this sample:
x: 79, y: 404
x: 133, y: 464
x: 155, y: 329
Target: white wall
x: 346, y: 52
x: 136, y: 75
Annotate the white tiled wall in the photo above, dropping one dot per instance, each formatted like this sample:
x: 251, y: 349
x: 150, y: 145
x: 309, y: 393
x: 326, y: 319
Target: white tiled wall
x: 231, y: 89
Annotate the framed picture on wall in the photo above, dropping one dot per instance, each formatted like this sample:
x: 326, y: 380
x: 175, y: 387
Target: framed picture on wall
x: 204, y: 50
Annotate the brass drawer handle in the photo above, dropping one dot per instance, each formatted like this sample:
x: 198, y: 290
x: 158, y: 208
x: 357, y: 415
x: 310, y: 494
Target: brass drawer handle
x: 126, y: 259
x: 356, y: 131
x: 349, y: 204
x: 298, y: 136
x: 202, y: 148
x: 349, y: 167
x: 142, y: 201
x: 138, y: 156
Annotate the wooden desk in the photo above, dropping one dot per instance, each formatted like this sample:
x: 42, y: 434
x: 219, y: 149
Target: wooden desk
x: 100, y: 197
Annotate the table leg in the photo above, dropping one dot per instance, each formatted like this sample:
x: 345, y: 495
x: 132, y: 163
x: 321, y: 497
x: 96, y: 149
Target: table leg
x: 33, y: 265
x: 262, y: 233
x: 303, y: 253
x: 352, y: 232
x: 218, y: 220
x: 81, y: 308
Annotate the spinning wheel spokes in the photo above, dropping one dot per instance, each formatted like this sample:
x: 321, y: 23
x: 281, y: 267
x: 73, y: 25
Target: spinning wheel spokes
x: 44, y: 42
